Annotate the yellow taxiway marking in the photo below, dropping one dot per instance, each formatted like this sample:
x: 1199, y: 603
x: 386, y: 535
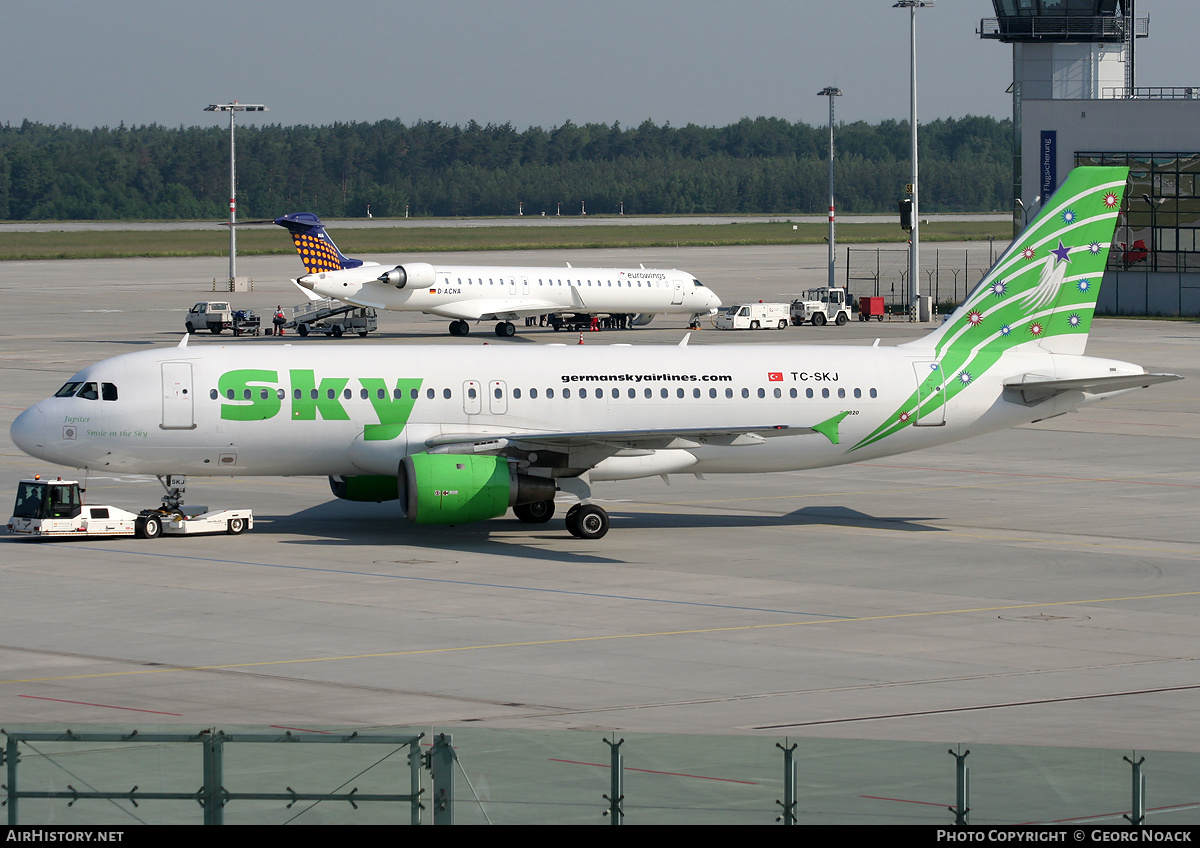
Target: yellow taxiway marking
x: 579, y: 639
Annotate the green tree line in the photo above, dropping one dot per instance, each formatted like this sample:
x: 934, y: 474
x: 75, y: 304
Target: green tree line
x: 762, y: 165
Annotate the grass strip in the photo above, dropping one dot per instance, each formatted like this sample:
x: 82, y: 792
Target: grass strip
x: 272, y: 240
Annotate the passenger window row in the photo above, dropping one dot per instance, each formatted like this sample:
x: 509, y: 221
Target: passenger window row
x: 615, y: 393
x: 696, y: 393
x: 552, y: 282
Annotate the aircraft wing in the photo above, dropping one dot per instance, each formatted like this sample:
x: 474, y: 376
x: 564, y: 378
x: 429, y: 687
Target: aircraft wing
x: 1034, y: 388
x: 512, y: 307
x: 613, y: 441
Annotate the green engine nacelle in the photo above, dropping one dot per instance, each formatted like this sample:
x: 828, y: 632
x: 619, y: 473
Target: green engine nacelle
x: 452, y: 489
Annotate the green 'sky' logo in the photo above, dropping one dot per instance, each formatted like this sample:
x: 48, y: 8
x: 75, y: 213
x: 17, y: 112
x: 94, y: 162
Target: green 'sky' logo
x: 254, y: 394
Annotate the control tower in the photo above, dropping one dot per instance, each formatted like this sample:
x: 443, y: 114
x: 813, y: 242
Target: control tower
x: 1063, y: 50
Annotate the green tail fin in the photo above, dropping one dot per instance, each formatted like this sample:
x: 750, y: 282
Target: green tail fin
x: 1041, y: 292
x: 1044, y: 287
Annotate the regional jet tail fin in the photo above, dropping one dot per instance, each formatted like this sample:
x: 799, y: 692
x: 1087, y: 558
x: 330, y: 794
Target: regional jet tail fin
x: 1043, y: 289
x: 316, y: 249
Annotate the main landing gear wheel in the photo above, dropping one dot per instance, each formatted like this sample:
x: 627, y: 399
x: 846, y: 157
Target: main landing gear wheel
x: 236, y: 526
x: 587, y: 521
x: 459, y: 328
x: 505, y: 329
x: 538, y: 512
x: 148, y: 527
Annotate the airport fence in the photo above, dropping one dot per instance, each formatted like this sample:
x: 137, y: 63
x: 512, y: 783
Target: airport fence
x: 122, y: 778
x: 948, y: 274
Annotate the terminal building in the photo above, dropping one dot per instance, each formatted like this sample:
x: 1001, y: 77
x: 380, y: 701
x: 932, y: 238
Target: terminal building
x: 1076, y: 101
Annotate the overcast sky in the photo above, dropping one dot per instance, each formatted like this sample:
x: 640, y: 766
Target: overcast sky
x: 529, y: 62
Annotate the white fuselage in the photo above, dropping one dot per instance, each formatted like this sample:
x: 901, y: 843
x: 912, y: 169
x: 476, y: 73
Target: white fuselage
x: 224, y: 410
x: 477, y: 292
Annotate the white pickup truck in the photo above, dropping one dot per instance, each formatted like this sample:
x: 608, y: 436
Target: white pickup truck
x: 211, y: 315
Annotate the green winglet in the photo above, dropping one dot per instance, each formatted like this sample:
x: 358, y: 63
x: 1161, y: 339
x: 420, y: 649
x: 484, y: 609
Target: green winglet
x: 829, y: 429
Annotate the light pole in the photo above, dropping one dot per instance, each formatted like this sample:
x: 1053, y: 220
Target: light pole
x: 830, y: 92
x: 914, y: 263
x: 1026, y: 212
x: 233, y: 108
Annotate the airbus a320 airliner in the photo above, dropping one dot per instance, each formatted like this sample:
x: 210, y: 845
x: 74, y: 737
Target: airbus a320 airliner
x: 460, y: 434
x: 491, y: 292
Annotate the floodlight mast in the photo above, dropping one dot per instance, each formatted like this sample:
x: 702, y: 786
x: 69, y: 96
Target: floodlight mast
x: 232, y: 109
x: 914, y: 261
x: 831, y: 92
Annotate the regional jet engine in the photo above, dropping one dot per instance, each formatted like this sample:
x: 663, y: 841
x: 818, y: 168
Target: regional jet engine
x: 419, y: 274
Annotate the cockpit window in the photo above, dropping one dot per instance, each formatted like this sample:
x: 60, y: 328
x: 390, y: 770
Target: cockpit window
x: 68, y: 390
x: 108, y: 391
x: 697, y: 283
x: 89, y: 392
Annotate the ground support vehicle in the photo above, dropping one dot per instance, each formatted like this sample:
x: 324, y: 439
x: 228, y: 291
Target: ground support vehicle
x: 570, y: 321
x: 331, y: 317
x: 55, y: 509
x: 752, y: 316
x: 246, y: 323
x: 361, y: 321
x: 821, y: 306
x: 211, y: 315
x: 870, y: 307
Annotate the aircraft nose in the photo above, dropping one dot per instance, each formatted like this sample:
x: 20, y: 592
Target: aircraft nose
x: 28, y: 432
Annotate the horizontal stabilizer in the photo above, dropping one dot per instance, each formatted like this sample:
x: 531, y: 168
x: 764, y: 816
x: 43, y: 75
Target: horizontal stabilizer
x: 1034, y: 388
x: 309, y: 293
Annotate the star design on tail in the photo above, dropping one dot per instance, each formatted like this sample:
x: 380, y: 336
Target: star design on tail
x: 1054, y: 271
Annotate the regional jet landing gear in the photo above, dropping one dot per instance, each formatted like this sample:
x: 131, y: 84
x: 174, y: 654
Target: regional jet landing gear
x: 504, y: 329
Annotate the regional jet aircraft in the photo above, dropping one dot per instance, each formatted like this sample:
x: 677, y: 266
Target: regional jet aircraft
x: 459, y: 434
x: 491, y: 292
